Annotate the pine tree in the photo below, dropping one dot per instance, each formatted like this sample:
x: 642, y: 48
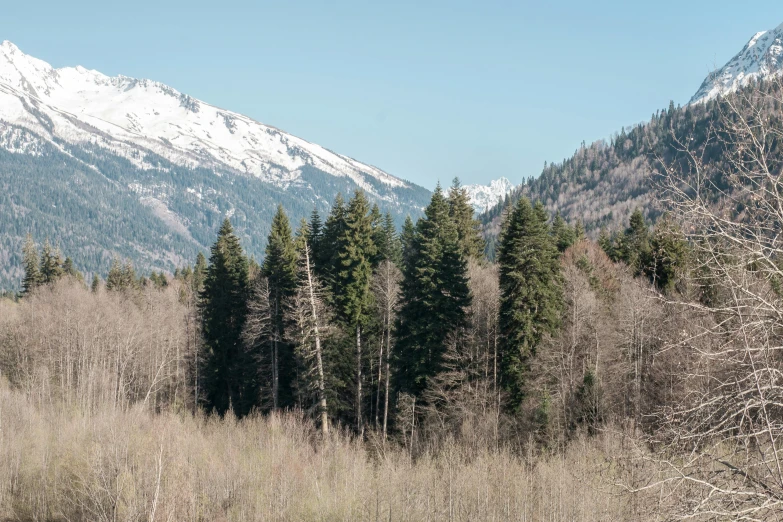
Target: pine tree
x: 564, y: 235
x: 407, y: 241
x: 199, y: 273
x: 32, y: 273
x: 51, y: 264
x: 531, y: 293
x: 634, y: 245
x: 353, y: 277
x: 114, y: 281
x: 435, y: 296
x: 226, y: 369
x: 315, y: 235
x: 96, y: 284
x: 468, y: 228
x: 668, y: 256
x: 280, y: 270
x: 326, y: 259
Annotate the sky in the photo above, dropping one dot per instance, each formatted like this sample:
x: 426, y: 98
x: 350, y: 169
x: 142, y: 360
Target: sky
x: 425, y: 90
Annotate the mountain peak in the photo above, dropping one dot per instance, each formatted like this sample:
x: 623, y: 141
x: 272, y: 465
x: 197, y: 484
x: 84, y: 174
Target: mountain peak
x: 762, y: 57
x: 484, y: 197
x: 143, y: 114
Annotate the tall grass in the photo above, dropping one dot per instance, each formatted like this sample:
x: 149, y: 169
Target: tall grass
x: 111, y: 464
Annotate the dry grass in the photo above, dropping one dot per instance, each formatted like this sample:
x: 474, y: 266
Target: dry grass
x: 60, y: 464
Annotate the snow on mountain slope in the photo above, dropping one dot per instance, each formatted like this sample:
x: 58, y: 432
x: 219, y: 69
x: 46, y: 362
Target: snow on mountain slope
x: 762, y: 57
x: 484, y: 197
x: 130, y: 116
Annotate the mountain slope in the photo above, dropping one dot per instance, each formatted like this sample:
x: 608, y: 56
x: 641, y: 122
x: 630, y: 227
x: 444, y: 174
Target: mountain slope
x: 92, y: 144
x: 762, y: 57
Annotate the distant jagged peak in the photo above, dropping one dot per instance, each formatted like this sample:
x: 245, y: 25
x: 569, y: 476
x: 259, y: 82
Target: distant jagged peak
x: 484, y: 197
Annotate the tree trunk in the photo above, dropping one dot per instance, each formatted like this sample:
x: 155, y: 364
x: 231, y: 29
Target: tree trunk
x: 358, y: 378
x: 388, y: 365
x: 318, y: 352
x: 275, y: 376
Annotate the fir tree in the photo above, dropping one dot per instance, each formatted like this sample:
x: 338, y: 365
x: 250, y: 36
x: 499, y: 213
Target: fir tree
x: 199, y: 273
x: 468, y: 228
x: 634, y: 245
x: 668, y: 256
x: 315, y: 235
x: 326, y: 259
x: 435, y: 296
x: 226, y: 369
x: 351, y: 282
x: 96, y: 284
x: 280, y: 270
x: 51, y: 264
x: 32, y: 273
x: 407, y: 241
x: 114, y: 281
x: 531, y: 293
x: 564, y: 235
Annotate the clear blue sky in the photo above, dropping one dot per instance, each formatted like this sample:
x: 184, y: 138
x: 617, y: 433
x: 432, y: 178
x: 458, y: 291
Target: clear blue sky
x: 424, y: 90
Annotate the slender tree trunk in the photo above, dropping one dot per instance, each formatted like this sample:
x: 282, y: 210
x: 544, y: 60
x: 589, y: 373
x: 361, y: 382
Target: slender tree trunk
x: 275, y: 352
x: 318, y: 352
x: 358, y: 378
x: 388, y: 366
x: 380, y: 378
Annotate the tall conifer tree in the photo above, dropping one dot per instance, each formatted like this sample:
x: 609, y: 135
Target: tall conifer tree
x: 280, y: 269
x: 531, y: 293
x: 32, y: 273
x: 435, y: 296
x: 352, y: 279
x: 468, y: 228
x: 224, y: 309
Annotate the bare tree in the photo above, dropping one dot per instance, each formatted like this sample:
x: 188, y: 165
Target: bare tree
x: 386, y: 287
x: 258, y: 334
x: 720, y: 444
x: 308, y: 322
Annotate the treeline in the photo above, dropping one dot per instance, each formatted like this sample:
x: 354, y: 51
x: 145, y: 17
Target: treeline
x: 403, y: 332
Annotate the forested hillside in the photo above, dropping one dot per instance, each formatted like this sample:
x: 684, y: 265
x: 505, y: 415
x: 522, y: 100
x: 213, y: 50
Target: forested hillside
x: 97, y: 205
x: 604, y: 182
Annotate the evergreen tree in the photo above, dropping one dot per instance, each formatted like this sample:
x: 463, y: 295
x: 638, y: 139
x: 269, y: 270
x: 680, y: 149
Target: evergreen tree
x: 387, y: 242
x: 315, y: 234
x: 326, y: 259
x: 634, y: 246
x: 199, y: 272
x: 32, y: 273
x: 353, y: 277
x: 564, y: 235
x: 114, y: 281
x: 468, y: 228
x: 128, y: 276
x: 51, y: 264
x: 96, y: 283
x: 280, y: 270
x: 531, y: 293
x: 407, y: 241
x: 435, y: 296
x: 226, y: 368
x: 668, y: 257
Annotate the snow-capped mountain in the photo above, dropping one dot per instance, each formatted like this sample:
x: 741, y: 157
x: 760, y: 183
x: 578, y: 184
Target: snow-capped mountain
x: 484, y: 197
x: 106, y: 166
x: 762, y: 57
x: 128, y: 115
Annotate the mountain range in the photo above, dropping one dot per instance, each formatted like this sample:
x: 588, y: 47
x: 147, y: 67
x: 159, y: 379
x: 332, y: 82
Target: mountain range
x: 77, y: 146
x: 116, y: 166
